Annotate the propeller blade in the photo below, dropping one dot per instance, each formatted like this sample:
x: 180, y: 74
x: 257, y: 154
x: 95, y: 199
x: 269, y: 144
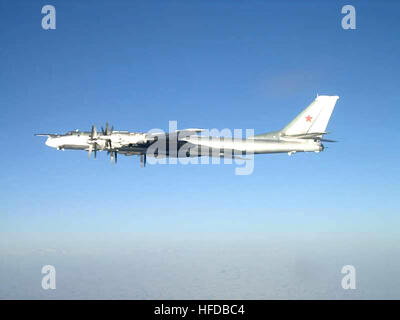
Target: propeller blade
x: 95, y: 150
x: 108, y: 142
x: 113, y: 156
x: 108, y: 130
x: 142, y: 160
x: 93, y: 134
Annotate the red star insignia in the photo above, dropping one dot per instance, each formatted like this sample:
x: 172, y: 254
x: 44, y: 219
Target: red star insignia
x: 308, y: 118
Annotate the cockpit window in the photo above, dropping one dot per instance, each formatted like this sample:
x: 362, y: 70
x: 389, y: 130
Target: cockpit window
x: 73, y: 133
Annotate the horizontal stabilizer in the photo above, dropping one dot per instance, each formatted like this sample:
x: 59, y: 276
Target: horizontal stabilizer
x: 328, y: 140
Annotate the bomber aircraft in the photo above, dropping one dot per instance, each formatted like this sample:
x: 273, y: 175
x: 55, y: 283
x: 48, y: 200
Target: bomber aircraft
x: 303, y: 134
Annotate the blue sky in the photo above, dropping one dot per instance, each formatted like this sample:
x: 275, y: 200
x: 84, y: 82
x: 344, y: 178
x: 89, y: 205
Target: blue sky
x: 218, y: 64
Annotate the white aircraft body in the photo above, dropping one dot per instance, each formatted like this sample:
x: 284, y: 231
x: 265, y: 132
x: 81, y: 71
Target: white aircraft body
x: 303, y: 134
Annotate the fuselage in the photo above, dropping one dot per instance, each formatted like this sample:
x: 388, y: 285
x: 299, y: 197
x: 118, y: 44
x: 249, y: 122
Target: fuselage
x: 257, y: 146
x: 78, y: 140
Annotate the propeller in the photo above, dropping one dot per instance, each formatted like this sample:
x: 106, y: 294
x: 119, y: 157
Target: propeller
x: 107, y: 132
x: 94, y: 136
x: 92, y: 143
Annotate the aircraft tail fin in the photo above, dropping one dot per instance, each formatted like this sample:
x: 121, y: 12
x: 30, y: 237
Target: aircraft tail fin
x: 313, y: 119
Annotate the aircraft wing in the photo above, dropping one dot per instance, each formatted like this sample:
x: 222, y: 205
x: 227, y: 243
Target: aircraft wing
x: 196, y: 147
x: 52, y: 135
x: 179, y: 133
x: 190, y: 131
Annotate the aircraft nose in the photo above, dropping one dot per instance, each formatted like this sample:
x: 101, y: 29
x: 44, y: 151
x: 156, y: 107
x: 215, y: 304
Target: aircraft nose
x: 50, y: 142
